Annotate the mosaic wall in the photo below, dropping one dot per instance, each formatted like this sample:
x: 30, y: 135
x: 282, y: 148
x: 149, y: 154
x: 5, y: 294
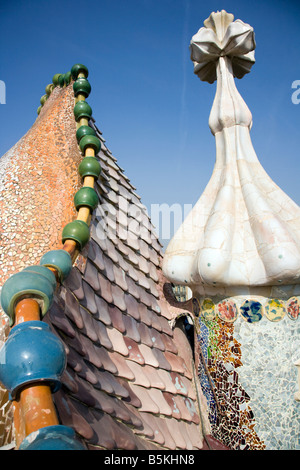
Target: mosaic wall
x: 247, y: 372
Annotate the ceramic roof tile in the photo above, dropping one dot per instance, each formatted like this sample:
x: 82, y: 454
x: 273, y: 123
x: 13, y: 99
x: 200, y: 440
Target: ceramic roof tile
x: 122, y: 369
x: 148, y: 405
x: 194, y: 435
x: 155, y: 379
x: 188, y: 441
x: 75, y: 343
x: 105, y: 290
x: 153, y: 272
x: 144, y: 334
x: 117, y: 341
x: 151, y: 318
x: 152, y: 288
x: 117, y: 318
x: 130, y: 239
x: 103, y: 313
x: 132, y: 398
x: 120, y: 277
x: 162, y: 361
x: 167, y: 433
x: 145, y: 316
x: 143, y: 281
x: 148, y: 355
x: 182, y: 385
x: 169, y: 344
x: 88, y: 325
x: 132, y: 288
x: 165, y: 325
x: 75, y: 415
x: 74, y: 283
x: 144, y: 429
x: 91, y: 273
x: 139, y: 374
x: 158, y: 397
x: 143, y: 265
x: 60, y: 321
x: 134, y: 351
x: 100, y: 421
x: 108, y: 270
x: 132, y: 306
x: 72, y: 308
x: 156, y: 339
x: 74, y: 360
x: 107, y: 382
x: 189, y: 387
x: 69, y: 382
x: 131, y: 328
x: 101, y: 331
x: 118, y: 297
x: 170, y: 399
x: 152, y: 422
x: 175, y: 427
x: 89, y: 298
x: 176, y: 362
x: 92, y: 352
x: 186, y: 408
x: 99, y: 378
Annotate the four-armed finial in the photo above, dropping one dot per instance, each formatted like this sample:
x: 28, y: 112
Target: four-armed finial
x: 220, y: 37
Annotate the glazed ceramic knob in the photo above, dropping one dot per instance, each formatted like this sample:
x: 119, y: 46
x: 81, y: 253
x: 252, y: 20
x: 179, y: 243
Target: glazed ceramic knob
x: 43, y: 99
x: 86, y: 197
x: 67, y: 77
x: 82, y: 110
x: 56, y: 437
x: 37, y: 282
x: 84, y: 130
x: 55, y: 79
x: 82, y: 86
x: 90, y: 141
x: 77, y: 69
x: 89, y: 167
x: 77, y: 231
x: 32, y: 353
x: 61, y: 80
x: 59, y: 260
x: 49, y: 89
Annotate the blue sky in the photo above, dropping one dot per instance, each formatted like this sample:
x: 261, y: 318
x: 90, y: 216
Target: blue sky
x: 152, y: 109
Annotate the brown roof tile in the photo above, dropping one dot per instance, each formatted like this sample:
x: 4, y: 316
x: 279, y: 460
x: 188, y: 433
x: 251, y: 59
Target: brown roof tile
x: 118, y: 297
x: 103, y: 313
x: 166, y: 432
x: 132, y: 398
x: 141, y: 377
x: 148, y: 405
x: 117, y: 341
x: 134, y: 351
x: 72, y: 308
x: 152, y: 422
x: 131, y: 328
x: 89, y: 300
x: 117, y: 318
x: 105, y: 290
x: 121, y: 367
x: 148, y: 355
x: 155, y: 379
